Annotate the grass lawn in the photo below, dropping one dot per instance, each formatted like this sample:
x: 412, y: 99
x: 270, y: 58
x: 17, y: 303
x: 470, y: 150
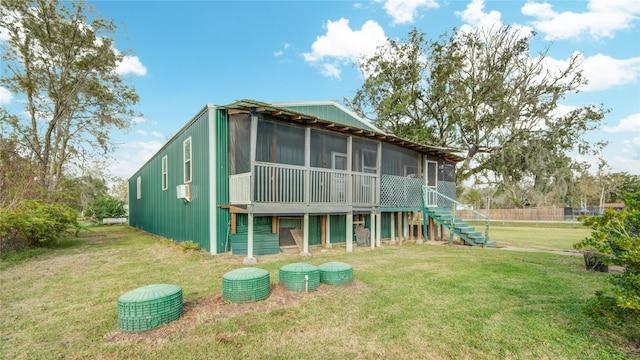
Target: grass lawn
x: 532, y: 236
x: 408, y: 302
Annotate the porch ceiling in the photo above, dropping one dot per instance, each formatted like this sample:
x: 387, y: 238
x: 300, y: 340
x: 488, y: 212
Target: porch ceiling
x: 246, y: 106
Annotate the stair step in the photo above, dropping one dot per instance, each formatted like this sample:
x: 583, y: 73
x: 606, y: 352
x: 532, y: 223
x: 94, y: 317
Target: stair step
x: 475, y: 235
x: 462, y: 225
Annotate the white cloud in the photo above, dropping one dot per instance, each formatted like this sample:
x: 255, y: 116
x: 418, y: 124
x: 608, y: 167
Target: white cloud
x: 629, y: 124
x: 141, y: 132
x: 619, y: 71
x: 132, y: 156
x: 562, y: 110
x: 601, y: 19
x: 5, y: 96
x: 341, y: 45
x: 131, y: 64
x: 404, y: 11
x: 475, y: 17
x: 331, y: 70
x: 138, y: 120
x: 285, y: 46
x: 157, y: 134
x: 628, y: 160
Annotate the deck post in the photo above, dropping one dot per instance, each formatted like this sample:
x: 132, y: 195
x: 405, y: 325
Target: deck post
x: 407, y: 225
x: 431, y: 229
x: 419, y: 229
x: 249, y: 260
x: 425, y: 226
x: 400, y: 234
x: 252, y: 156
x: 379, y: 228
x: 233, y: 223
x: 305, y: 243
x: 393, y: 229
x: 407, y: 233
x: 328, y: 233
x: 372, y: 226
x: 323, y: 231
x: 350, y: 231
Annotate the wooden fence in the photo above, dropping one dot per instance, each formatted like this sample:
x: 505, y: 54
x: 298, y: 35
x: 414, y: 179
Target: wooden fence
x: 543, y: 214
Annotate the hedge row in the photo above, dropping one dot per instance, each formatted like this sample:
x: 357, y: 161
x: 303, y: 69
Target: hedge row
x: 35, y: 223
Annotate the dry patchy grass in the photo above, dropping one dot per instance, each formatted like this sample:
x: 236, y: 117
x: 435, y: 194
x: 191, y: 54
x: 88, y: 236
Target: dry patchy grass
x: 410, y: 301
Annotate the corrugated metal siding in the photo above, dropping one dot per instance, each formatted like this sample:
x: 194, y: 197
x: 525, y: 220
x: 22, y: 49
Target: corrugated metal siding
x: 315, y: 230
x: 338, y: 228
x: 222, y: 217
x: 160, y: 212
x: 386, y: 225
x: 264, y: 241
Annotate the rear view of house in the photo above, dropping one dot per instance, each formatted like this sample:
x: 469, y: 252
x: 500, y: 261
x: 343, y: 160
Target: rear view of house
x: 252, y: 177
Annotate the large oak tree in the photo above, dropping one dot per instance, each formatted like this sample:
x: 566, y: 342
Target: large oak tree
x: 60, y: 59
x: 482, y: 92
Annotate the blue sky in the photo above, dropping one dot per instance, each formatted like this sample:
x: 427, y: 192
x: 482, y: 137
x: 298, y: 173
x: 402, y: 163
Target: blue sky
x: 190, y: 53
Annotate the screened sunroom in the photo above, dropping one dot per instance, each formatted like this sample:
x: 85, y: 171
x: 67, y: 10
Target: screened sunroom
x: 285, y: 167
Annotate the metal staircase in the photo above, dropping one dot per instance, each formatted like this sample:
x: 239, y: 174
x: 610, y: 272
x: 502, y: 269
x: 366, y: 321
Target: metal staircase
x: 442, y: 209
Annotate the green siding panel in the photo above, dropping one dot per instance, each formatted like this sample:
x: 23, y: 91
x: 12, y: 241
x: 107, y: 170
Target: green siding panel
x: 315, y: 230
x: 386, y: 225
x: 159, y: 211
x: 338, y: 228
x: 264, y: 242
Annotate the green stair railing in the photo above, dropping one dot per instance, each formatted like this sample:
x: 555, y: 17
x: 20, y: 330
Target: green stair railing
x: 433, y: 198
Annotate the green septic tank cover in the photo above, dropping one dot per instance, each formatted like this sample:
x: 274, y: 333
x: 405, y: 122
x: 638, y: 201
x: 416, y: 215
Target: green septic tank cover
x: 336, y: 273
x: 149, y: 306
x: 246, y: 285
x: 300, y: 277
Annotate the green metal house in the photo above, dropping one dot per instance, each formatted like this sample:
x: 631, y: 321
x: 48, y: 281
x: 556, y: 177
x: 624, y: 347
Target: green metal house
x: 252, y: 177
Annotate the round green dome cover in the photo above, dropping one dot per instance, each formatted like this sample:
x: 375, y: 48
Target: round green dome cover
x: 246, y: 285
x: 336, y: 273
x: 300, y: 277
x: 149, y: 306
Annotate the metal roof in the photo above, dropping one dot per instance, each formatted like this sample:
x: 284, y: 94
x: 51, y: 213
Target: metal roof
x: 322, y: 109
x: 363, y: 129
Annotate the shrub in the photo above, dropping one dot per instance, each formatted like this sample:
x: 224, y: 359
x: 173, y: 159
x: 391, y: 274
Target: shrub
x: 616, y: 235
x: 35, y: 223
x: 106, y: 207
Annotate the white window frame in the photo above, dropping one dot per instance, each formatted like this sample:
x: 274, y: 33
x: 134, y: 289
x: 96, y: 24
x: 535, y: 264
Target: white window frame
x: 369, y: 169
x: 335, y: 155
x: 187, y: 177
x: 138, y: 187
x: 165, y: 173
x: 338, y: 182
x: 431, y: 165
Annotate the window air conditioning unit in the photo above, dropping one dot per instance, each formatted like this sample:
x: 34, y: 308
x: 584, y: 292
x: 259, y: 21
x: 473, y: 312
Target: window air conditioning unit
x: 183, y: 192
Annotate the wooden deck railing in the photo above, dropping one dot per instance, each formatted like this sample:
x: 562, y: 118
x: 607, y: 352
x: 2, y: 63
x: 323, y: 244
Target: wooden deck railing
x: 278, y: 183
